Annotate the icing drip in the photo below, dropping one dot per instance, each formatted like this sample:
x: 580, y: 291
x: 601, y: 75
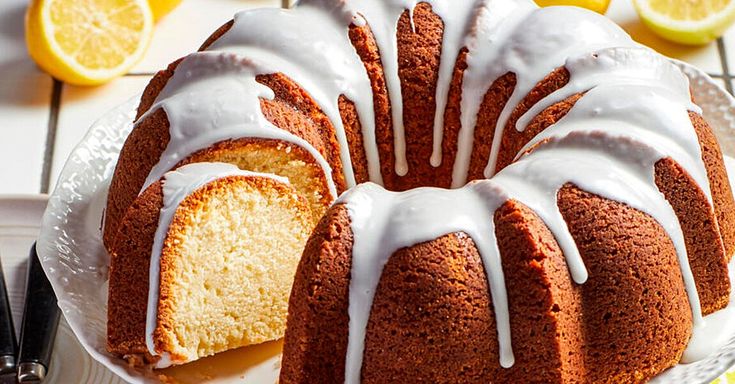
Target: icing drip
x: 177, y: 186
x: 717, y: 328
x: 227, y: 83
x: 383, y: 222
x: 614, y: 167
x: 457, y: 18
x: 644, y: 112
x: 311, y: 47
x: 382, y: 17
x: 614, y: 66
x: 617, y: 168
x: 496, y: 21
x: 534, y: 44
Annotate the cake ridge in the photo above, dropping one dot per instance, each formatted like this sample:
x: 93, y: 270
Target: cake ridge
x: 195, y: 125
x: 637, y: 110
x: 629, y: 178
x: 326, y: 70
x: 530, y: 53
x: 383, y: 222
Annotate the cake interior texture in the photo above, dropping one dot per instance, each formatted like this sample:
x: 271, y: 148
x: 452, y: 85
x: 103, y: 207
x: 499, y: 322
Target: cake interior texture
x: 224, y: 290
x: 219, y: 290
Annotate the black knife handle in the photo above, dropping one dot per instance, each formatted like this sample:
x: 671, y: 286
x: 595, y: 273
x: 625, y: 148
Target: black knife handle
x: 8, y: 342
x: 40, y: 320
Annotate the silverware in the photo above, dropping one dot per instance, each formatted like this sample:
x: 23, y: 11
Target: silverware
x: 40, y: 321
x: 8, y: 342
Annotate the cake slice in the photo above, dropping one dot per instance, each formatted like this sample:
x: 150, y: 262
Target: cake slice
x: 187, y: 279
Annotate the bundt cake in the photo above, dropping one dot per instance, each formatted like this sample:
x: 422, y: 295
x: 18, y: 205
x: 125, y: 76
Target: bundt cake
x: 186, y: 281
x: 592, y: 238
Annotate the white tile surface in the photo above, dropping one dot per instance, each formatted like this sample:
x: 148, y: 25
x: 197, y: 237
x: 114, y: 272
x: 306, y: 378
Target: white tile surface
x: 82, y: 106
x: 706, y: 57
x: 185, y: 29
x: 25, y: 94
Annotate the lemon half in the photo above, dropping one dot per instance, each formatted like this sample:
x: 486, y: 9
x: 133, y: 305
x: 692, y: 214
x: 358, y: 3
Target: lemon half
x: 88, y: 42
x: 687, y: 21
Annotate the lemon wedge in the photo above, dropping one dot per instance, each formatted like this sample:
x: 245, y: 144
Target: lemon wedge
x: 161, y: 8
x: 687, y: 21
x: 599, y: 6
x: 88, y: 42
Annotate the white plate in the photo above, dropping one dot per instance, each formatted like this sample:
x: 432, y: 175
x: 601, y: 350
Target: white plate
x: 76, y: 263
x: 20, y: 219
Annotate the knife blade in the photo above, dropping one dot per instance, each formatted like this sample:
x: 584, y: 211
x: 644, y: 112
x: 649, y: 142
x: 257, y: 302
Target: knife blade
x: 38, y: 328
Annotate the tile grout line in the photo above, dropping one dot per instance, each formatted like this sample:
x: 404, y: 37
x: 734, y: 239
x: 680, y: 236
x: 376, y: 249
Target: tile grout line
x: 726, y: 76
x: 53, y: 120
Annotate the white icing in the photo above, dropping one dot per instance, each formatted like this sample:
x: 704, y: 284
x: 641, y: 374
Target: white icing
x: 311, y: 47
x: 383, y: 222
x: 638, y: 110
x: 212, y: 97
x: 531, y: 43
x: 615, y: 167
x: 457, y: 19
x: 717, y: 328
x: 177, y: 186
x: 382, y: 17
x: 615, y: 66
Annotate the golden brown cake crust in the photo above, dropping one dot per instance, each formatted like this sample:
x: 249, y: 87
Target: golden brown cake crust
x: 432, y: 317
x: 146, y: 143
x: 452, y: 123
x: 635, y: 313
x: 367, y: 48
x: 419, y: 51
x: 724, y: 204
x: 701, y: 235
x: 700, y: 224
x: 130, y: 255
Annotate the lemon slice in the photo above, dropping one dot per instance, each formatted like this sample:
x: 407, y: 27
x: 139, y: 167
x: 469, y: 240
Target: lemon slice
x: 687, y: 21
x: 161, y: 8
x: 88, y: 42
x: 599, y: 6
